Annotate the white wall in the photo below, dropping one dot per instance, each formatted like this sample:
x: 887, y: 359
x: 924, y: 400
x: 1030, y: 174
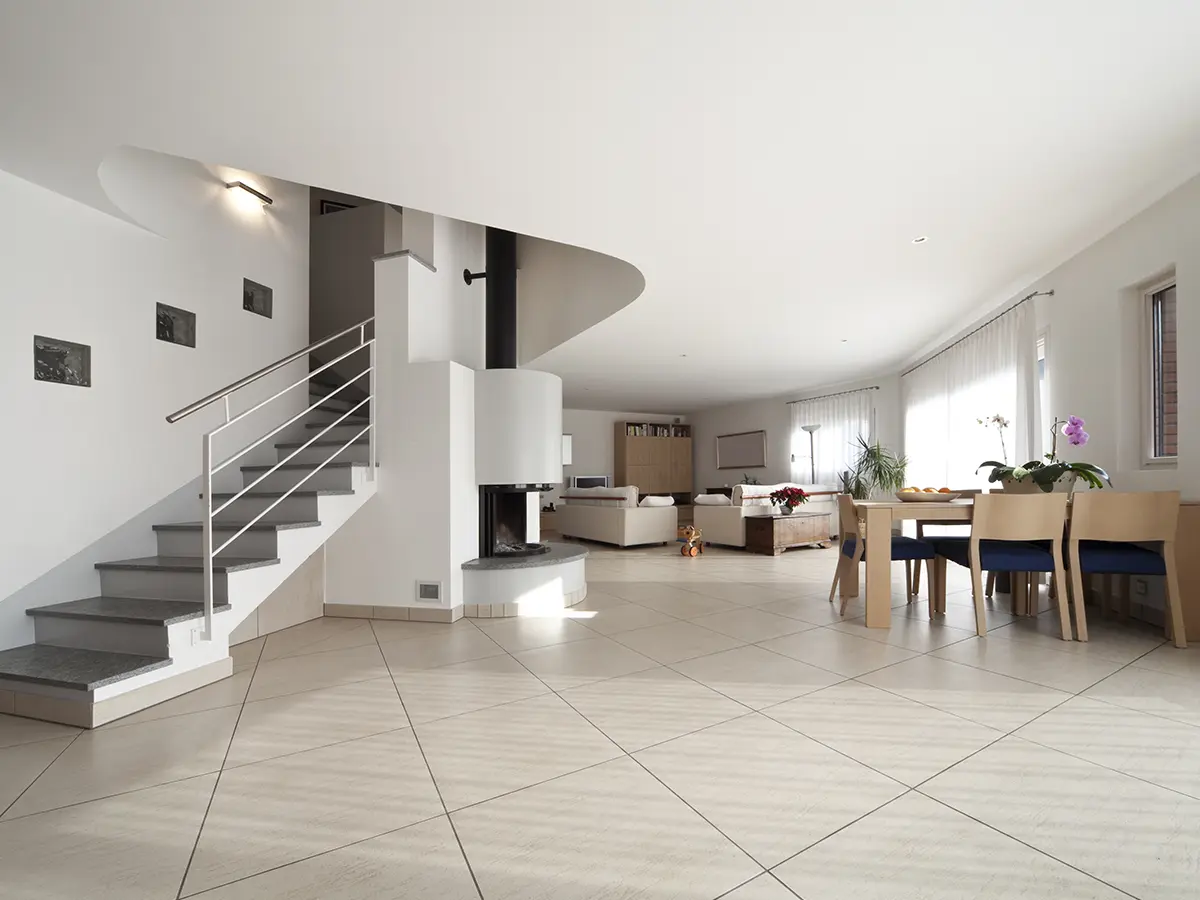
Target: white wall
x: 592, y: 441
x: 446, y: 315
x: 1095, y: 356
x: 91, y: 462
x: 772, y: 414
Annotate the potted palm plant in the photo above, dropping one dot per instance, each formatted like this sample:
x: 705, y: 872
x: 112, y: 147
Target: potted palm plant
x: 875, y: 469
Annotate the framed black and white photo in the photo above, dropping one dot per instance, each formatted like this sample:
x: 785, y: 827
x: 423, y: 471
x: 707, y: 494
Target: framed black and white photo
x: 174, y: 325
x: 257, y: 298
x: 61, y: 362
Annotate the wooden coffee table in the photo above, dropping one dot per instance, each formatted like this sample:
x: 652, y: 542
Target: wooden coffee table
x: 771, y: 535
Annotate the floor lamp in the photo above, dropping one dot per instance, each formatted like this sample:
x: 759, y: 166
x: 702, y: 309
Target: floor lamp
x: 812, y: 457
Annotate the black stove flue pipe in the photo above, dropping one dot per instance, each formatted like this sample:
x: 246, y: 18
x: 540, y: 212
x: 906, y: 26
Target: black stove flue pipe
x: 500, y: 334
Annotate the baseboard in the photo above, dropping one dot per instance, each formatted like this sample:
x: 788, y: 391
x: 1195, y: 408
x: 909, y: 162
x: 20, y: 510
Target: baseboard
x: 394, y: 613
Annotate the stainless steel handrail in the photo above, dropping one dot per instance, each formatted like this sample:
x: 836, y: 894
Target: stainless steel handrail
x: 208, y: 469
x: 263, y: 372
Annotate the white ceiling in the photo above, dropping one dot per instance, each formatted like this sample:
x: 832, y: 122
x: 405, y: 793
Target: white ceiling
x: 765, y: 164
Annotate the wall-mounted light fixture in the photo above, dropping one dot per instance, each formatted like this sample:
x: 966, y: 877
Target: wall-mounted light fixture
x: 469, y: 276
x: 241, y: 185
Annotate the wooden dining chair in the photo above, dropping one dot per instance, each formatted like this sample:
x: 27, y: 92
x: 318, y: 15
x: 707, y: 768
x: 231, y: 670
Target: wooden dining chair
x: 955, y: 523
x: 1107, y: 529
x: 852, y: 547
x: 1009, y: 533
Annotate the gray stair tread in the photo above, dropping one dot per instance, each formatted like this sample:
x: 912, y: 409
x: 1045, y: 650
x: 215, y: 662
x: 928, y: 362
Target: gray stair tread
x: 222, y: 525
x: 275, y: 495
x: 294, y: 445
x: 328, y: 465
x: 131, y: 610
x: 187, y: 563
x: 72, y: 667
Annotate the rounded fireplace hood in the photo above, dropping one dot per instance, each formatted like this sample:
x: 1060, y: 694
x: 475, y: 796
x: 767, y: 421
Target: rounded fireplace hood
x: 518, y: 427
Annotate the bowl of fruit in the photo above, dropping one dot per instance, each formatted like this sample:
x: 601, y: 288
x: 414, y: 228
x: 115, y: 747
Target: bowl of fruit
x: 926, y: 495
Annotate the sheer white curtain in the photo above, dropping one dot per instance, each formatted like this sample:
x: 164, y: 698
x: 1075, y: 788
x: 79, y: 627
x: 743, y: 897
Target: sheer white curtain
x: 842, y: 417
x: 991, y: 371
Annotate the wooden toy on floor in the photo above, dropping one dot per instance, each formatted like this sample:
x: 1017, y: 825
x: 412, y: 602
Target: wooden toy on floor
x: 692, y: 544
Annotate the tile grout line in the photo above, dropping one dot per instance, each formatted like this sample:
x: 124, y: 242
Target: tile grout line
x: 17, y: 798
x: 432, y: 778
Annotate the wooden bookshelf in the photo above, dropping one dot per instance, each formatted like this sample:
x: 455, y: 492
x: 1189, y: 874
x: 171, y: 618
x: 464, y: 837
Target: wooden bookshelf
x: 654, y: 456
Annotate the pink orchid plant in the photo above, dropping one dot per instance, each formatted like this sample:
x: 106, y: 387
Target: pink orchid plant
x: 1045, y: 474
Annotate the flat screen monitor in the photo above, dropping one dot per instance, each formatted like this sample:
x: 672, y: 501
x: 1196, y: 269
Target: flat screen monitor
x: 589, y: 481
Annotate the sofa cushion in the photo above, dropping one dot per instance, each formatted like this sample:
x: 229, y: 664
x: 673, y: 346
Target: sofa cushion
x: 657, y: 501
x: 712, y: 500
x: 625, y: 497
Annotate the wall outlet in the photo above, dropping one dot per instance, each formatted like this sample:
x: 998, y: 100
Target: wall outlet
x: 429, y: 592
x: 1140, y: 588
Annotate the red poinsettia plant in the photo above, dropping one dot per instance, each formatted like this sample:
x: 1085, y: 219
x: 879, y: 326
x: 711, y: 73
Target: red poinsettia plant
x: 789, y: 496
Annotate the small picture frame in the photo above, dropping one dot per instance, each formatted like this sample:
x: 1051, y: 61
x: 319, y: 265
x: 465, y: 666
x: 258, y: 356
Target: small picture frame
x: 61, y: 362
x: 174, y: 325
x: 257, y: 298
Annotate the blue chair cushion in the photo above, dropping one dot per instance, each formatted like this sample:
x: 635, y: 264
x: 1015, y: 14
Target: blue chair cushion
x: 997, y: 556
x: 1114, y: 558
x: 902, y: 548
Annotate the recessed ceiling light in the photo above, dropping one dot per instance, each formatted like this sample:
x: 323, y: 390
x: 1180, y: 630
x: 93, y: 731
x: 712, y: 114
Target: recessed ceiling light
x: 682, y: 355
x: 845, y: 340
x: 920, y: 240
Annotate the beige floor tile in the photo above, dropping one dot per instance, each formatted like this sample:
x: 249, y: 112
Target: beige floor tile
x: 245, y: 655
x: 961, y: 617
x: 919, y: 635
x: 987, y: 698
x: 1152, y: 748
x: 751, y: 624
x: 813, y: 610
x: 1152, y: 691
x: 676, y: 641
x: 1121, y: 642
x: 649, y: 707
x: 530, y: 632
x: 465, y: 687
x: 389, y: 630
x: 132, y: 847
x: 608, y: 832
x: 597, y: 600
x: 756, y: 677
x: 420, y: 861
x: 1065, y: 671
x: 483, y: 754
x: 229, y: 691
x: 624, y: 617
x: 17, y: 730
x: 293, y: 674
x: 1170, y: 659
x: 678, y: 603
x: 898, y: 737
x: 305, y: 721
x: 444, y: 649
x: 1135, y: 836
x: 103, y: 763
x: 738, y: 592
x: 317, y: 636
x: 565, y: 666
x: 770, y: 790
x: 764, y: 887
x: 842, y: 653
x: 917, y: 849
x: 21, y: 764
x: 283, y: 810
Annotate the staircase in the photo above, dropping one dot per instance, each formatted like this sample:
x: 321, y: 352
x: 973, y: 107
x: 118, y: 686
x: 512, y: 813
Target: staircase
x: 161, y: 624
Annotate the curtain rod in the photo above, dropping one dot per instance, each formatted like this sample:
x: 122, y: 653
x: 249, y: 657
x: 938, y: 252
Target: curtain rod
x: 1049, y: 293
x: 873, y: 387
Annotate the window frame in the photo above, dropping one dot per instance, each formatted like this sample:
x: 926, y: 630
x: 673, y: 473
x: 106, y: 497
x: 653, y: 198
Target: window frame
x: 1149, y: 369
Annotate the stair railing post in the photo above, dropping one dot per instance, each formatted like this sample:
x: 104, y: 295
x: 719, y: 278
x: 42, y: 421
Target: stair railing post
x: 206, y: 551
x: 371, y: 404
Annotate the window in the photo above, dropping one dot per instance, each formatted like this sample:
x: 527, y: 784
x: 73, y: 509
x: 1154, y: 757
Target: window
x: 837, y: 421
x: 1164, y: 393
x: 1044, y: 418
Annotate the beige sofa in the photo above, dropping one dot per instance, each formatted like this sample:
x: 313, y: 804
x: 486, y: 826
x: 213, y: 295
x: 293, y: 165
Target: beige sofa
x: 612, y: 516
x: 726, y: 525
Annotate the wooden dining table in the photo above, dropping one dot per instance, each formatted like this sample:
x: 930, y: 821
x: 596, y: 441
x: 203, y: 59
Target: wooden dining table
x: 878, y: 516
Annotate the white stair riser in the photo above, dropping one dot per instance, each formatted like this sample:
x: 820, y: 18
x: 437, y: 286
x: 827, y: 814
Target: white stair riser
x: 334, y: 479
x: 261, y: 544
x: 161, y: 584
x: 97, y: 634
x: 353, y: 453
x: 341, y: 432
x: 290, y: 509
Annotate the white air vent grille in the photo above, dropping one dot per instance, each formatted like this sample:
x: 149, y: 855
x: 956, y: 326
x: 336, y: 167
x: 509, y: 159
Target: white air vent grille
x: 429, y: 592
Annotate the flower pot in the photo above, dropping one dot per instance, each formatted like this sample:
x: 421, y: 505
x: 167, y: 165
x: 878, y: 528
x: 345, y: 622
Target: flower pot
x: 1065, y: 484
x: 785, y: 510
